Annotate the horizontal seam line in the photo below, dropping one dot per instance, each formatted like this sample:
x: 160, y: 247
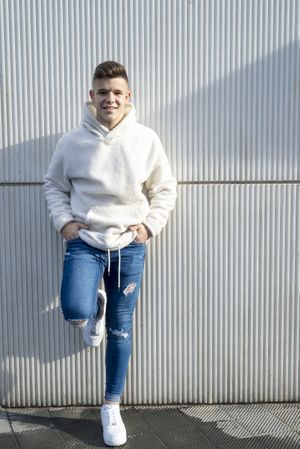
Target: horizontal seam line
x: 238, y: 182
x: 33, y: 183
x: 36, y: 183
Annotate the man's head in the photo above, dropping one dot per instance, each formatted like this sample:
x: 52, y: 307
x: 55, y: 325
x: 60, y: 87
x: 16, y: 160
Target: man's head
x: 110, y: 93
x: 110, y: 69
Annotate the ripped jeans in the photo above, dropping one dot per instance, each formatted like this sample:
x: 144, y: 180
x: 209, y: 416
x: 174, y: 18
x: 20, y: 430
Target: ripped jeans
x: 84, y: 267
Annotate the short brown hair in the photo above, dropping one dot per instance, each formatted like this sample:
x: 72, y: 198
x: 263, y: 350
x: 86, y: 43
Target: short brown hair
x: 110, y: 69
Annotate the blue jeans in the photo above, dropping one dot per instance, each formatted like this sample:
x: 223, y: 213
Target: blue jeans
x: 84, y: 267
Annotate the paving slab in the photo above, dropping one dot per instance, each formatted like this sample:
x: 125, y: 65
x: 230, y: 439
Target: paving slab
x: 34, y: 429
x: 246, y: 426
x: 7, y: 438
x: 222, y: 430
x: 288, y: 413
x: 174, y: 428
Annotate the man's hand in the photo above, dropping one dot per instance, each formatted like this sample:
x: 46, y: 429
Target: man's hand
x: 71, y: 230
x: 143, y: 232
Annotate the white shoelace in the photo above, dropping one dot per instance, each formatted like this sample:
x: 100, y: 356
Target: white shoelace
x: 95, y: 324
x: 95, y: 327
x: 112, y: 416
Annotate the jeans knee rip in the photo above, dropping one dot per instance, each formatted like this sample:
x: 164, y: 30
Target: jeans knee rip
x: 129, y: 289
x: 78, y: 323
x: 119, y: 333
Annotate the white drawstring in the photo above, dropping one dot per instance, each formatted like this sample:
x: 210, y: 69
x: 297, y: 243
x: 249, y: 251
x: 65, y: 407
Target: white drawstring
x: 108, y: 268
x: 119, y: 265
x: 119, y: 268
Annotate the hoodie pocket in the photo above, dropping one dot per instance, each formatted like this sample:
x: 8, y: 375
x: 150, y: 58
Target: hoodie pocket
x: 117, y: 219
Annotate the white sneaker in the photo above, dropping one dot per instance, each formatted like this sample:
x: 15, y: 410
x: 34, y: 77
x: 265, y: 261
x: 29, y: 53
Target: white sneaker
x: 94, y: 330
x: 114, y: 432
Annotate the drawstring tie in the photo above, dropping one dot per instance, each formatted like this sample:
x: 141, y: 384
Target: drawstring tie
x: 119, y: 268
x: 119, y: 265
x: 108, y: 268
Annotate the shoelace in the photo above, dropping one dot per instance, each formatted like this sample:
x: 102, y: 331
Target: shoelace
x: 95, y: 327
x: 112, y: 416
x: 95, y: 323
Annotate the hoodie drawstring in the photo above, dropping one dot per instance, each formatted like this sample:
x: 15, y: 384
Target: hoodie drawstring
x: 119, y: 268
x: 108, y: 267
x: 119, y: 265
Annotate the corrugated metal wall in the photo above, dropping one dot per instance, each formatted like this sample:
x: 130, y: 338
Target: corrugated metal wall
x: 219, y: 314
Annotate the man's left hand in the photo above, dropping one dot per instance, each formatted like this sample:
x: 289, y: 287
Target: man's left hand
x: 143, y: 232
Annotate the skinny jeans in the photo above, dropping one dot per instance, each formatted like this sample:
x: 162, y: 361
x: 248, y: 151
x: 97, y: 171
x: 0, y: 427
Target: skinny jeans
x: 84, y: 268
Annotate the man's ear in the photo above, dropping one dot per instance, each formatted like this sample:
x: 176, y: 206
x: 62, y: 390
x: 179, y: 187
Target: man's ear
x: 128, y: 96
x: 92, y: 94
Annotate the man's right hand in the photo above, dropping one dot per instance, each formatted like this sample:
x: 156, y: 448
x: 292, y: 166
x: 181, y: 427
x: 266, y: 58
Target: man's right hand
x: 71, y: 230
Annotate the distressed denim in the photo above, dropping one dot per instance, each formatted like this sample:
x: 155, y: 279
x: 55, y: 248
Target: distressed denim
x: 84, y: 267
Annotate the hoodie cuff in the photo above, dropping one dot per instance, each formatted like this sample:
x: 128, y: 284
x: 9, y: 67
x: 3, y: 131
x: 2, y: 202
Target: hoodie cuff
x: 148, y: 230
x: 60, y: 222
x: 152, y: 226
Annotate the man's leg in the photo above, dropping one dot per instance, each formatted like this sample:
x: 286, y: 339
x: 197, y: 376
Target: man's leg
x: 81, y: 275
x: 120, y: 307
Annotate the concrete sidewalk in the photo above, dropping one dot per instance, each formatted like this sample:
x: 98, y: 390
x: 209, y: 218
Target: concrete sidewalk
x: 258, y: 426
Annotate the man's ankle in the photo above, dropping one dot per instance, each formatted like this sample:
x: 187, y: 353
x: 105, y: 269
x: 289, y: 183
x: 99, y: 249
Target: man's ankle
x: 108, y: 402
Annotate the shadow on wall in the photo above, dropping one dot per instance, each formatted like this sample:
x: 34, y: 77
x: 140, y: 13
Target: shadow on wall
x: 224, y: 142
x: 241, y: 127
x: 33, y: 331
x: 27, y: 161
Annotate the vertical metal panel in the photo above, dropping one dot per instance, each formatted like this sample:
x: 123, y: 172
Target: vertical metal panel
x: 219, y: 314
x: 218, y: 80
x: 42, y: 360
x: 218, y: 318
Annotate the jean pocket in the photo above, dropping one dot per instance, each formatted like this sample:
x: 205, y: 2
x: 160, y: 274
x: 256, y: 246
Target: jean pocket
x: 72, y: 240
x: 138, y: 243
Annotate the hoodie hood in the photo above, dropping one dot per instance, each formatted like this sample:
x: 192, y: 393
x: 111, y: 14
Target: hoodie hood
x: 90, y: 122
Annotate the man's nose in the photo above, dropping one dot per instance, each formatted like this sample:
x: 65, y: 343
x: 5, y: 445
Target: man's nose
x: 110, y: 97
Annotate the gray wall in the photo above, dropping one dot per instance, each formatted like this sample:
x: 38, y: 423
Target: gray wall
x: 218, y: 318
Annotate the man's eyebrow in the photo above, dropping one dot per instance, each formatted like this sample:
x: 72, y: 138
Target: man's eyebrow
x: 109, y: 90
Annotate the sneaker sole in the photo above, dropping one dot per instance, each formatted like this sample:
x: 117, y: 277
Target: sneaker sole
x: 115, y: 442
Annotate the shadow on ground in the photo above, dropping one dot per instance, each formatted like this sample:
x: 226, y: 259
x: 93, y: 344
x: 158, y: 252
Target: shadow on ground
x: 178, y: 427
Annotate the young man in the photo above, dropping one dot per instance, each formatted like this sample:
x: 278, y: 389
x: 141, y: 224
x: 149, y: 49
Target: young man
x: 109, y: 188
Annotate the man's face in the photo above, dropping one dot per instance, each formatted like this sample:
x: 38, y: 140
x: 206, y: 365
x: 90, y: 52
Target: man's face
x: 109, y: 96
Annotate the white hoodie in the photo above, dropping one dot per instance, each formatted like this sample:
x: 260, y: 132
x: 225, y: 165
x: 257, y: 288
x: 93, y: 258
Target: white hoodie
x: 102, y: 178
